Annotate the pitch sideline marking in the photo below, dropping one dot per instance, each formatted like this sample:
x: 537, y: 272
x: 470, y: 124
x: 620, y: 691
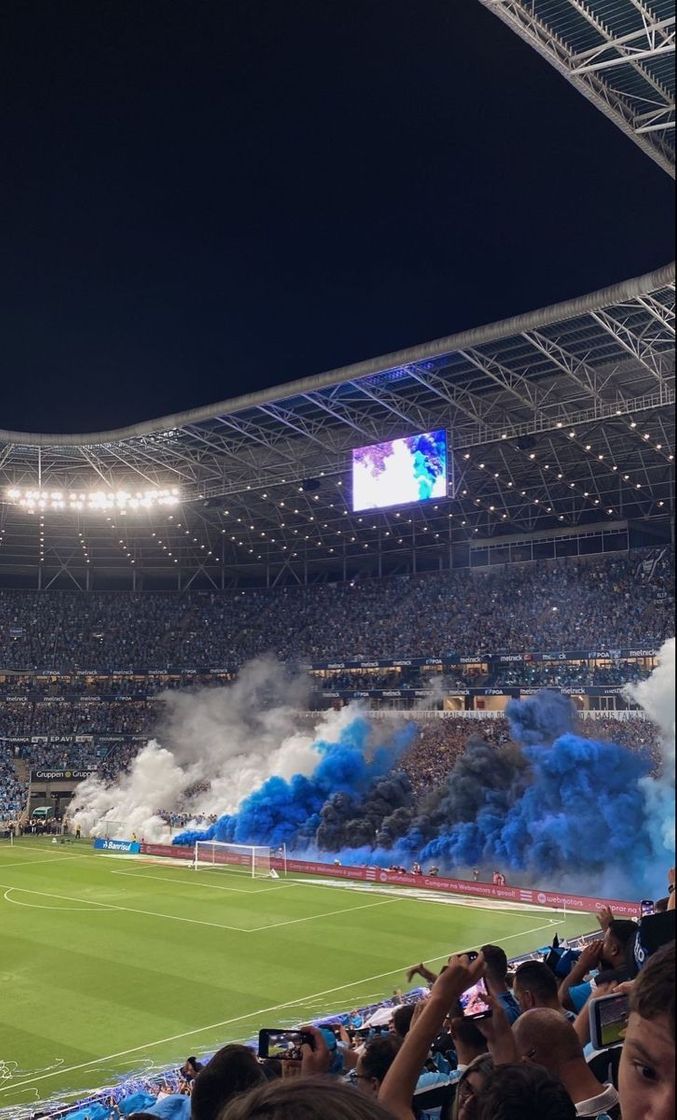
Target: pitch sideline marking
x: 253, y: 1014
x: 190, y: 883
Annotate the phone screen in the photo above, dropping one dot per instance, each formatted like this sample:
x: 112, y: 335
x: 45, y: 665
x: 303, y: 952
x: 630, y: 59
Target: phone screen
x: 646, y: 907
x: 282, y: 1044
x: 473, y: 1002
x: 609, y: 1020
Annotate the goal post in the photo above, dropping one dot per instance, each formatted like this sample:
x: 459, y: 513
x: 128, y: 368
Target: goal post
x: 249, y: 859
x: 108, y: 830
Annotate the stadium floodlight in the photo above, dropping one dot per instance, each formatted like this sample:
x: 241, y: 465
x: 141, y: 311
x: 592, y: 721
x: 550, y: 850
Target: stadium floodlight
x: 39, y: 499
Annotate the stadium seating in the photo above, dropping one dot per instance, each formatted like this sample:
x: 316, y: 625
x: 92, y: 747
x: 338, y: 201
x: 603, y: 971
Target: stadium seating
x: 81, y: 720
x: 608, y: 605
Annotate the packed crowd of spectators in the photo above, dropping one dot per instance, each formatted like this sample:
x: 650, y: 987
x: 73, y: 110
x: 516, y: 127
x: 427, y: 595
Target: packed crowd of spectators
x: 76, y: 714
x: 438, y: 745
x: 584, y: 1029
x: 76, y: 717
x: 565, y: 604
x: 555, y: 674
x: 441, y: 742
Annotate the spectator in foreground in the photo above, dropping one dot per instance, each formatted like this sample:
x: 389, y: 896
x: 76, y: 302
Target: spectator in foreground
x: 402, y: 1017
x: 647, y: 1070
x: 312, y: 1098
x: 470, y: 1087
x: 376, y: 1059
x: 535, y: 985
x: 231, y: 1071
x: 544, y: 1038
x: 618, y: 940
x: 374, y: 1062
x: 469, y: 1044
x: 190, y: 1069
x: 524, y: 1093
x: 399, y: 1085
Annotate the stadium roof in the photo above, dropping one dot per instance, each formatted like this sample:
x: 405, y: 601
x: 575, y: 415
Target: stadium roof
x: 557, y: 419
x: 620, y: 54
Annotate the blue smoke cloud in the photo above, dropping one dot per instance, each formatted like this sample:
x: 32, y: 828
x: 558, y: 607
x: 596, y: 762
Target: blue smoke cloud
x: 582, y: 812
x: 561, y: 807
x: 283, y: 811
x: 540, y: 719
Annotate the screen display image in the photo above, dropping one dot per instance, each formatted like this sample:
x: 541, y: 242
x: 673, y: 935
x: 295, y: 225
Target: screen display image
x: 613, y: 1019
x: 400, y: 471
x: 473, y: 1002
x: 282, y: 1044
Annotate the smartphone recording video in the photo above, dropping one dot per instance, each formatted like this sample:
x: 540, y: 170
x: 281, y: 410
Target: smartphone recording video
x: 474, y: 1003
x: 647, y: 907
x: 284, y: 1045
x: 608, y: 1020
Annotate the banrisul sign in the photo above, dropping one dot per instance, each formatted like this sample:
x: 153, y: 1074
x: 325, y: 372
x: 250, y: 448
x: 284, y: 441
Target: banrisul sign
x: 131, y: 846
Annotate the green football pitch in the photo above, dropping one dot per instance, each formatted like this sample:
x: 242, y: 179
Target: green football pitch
x: 112, y: 965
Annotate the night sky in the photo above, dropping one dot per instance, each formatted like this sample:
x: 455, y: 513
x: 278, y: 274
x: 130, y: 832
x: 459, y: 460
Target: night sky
x: 204, y: 198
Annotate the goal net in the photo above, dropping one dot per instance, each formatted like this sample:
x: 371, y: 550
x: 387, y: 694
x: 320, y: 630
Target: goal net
x: 109, y: 830
x: 249, y: 859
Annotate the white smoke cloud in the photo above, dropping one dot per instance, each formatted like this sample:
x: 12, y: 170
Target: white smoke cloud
x: 656, y: 695
x: 130, y: 805
x: 218, y: 745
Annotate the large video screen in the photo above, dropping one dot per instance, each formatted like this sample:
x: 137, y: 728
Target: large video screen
x: 400, y: 471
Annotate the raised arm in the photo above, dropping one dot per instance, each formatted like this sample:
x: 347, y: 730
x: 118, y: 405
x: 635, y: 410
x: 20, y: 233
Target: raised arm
x: 589, y: 959
x: 397, y: 1090
x: 421, y: 970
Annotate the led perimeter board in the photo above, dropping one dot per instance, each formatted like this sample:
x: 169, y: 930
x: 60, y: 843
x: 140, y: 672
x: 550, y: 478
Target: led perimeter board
x: 400, y: 471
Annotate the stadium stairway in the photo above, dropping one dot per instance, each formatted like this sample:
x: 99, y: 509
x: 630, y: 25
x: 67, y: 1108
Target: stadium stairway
x: 23, y: 775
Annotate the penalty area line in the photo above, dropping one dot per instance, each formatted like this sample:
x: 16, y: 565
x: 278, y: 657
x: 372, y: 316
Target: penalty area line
x: 253, y: 1014
x: 199, y: 883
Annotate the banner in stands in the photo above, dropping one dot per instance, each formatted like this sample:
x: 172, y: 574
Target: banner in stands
x: 484, y: 658
x: 62, y: 775
x: 535, y: 897
x: 406, y: 693
x: 131, y: 846
x: 480, y: 657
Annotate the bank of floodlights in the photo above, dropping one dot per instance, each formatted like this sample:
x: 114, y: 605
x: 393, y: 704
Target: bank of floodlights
x: 42, y: 500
